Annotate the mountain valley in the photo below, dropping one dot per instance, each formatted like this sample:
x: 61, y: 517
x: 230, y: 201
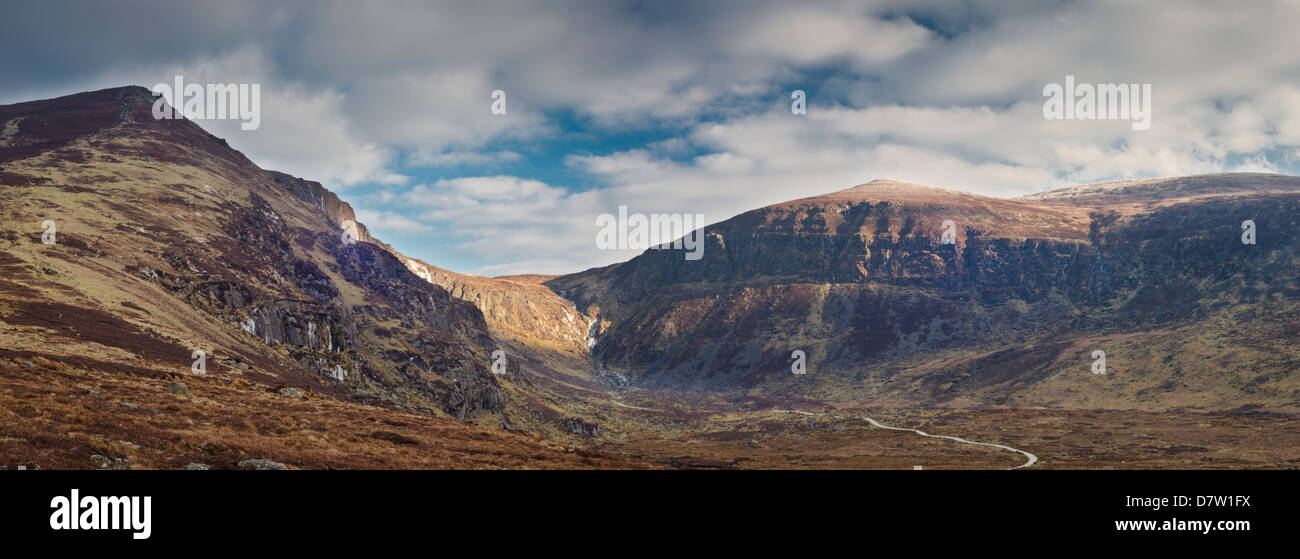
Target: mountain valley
x: 193, y: 308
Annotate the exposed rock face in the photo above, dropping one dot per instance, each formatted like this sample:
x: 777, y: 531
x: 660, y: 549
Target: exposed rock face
x: 170, y: 241
x: 579, y: 427
x: 519, y: 310
x: 863, y: 281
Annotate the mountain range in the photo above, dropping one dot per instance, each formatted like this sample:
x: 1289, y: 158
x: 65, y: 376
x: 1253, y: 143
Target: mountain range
x: 1154, y: 273
x: 176, y: 260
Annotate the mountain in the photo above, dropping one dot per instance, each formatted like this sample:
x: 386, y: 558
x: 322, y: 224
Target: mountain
x: 323, y: 347
x: 1153, y: 273
x: 168, y: 241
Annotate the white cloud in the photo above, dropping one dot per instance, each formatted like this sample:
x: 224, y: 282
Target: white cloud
x: 426, y: 158
x: 438, y: 110
x: 806, y: 34
x: 303, y: 130
x: 1257, y: 164
x: 348, y: 86
x: 381, y: 221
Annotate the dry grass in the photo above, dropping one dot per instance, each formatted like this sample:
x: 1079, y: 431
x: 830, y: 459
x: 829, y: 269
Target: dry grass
x: 744, y: 436
x: 55, y: 417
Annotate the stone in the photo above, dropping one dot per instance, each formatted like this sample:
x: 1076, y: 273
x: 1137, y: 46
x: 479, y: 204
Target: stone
x: 290, y: 392
x: 261, y: 464
x: 106, y: 463
x: 580, y: 427
x: 178, y: 388
x: 197, y: 466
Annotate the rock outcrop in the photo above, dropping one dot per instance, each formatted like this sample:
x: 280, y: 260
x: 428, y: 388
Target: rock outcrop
x: 171, y: 243
x: 1007, y: 307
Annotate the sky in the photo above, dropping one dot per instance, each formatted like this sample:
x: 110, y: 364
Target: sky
x: 680, y: 107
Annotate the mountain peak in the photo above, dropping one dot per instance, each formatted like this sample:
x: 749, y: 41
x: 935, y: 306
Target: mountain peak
x: 34, y: 127
x: 891, y: 182
x: 887, y: 189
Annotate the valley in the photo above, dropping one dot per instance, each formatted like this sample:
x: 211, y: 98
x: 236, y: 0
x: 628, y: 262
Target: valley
x: 57, y: 416
x: 972, y: 319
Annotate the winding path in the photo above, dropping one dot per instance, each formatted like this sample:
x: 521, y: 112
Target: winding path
x: 1030, y: 462
x: 1031, y: 458
x: 621, y: 404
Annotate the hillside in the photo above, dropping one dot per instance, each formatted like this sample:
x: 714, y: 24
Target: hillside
x: 167, y: 242
x: 1153, y: 273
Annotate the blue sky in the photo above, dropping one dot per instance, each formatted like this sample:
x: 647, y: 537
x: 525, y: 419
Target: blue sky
x: 681, y: 106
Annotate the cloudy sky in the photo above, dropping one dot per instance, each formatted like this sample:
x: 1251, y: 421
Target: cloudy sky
x: 680, y: 107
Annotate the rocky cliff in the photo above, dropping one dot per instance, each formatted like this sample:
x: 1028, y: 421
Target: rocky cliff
x: 1006, y: 308
x: 167, y: 242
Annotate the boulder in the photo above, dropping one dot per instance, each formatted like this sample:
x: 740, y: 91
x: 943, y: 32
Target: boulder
x: 261, y: 464
x: 580, y: 427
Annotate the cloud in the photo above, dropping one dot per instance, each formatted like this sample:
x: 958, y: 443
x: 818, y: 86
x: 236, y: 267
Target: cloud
x: 809, y: 34
x: 684, y: 106
x: 425, y: 158
x: 303, y: 130
x: 304, y: 133
x: 381, y: 221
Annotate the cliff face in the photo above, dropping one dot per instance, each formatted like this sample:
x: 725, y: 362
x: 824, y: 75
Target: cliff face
x: 169, y: 241
x: 863, y: 281
x: 520, y: 312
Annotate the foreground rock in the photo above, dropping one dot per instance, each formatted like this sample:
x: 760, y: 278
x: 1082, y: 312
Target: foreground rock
x: 261, y: 464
